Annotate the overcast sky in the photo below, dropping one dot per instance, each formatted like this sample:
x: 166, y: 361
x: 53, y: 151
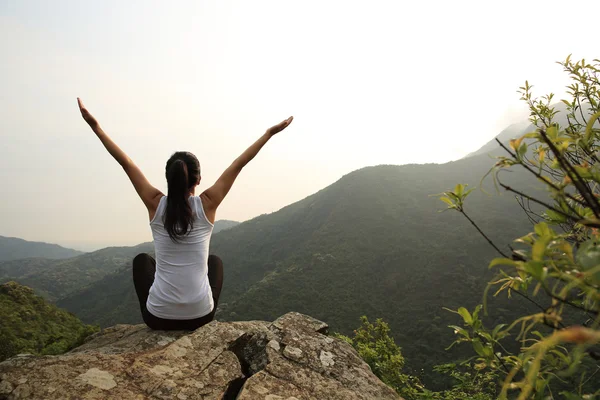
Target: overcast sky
x: 369, y: 82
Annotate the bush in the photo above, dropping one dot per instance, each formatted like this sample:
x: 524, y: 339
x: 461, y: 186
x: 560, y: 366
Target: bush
x: 378, y: 349
x: 557, y: 266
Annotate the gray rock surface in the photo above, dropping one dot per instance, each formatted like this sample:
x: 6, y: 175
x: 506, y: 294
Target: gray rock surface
x: 290, y: 358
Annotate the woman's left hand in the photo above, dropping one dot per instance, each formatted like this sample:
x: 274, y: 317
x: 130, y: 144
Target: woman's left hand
x: 280, y: 126
x: 89, y: 118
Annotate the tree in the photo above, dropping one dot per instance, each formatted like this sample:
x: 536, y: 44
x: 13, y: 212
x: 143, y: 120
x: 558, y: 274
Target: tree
x: 378, y: 349
x: 470, y: 383
x: 557, y: 266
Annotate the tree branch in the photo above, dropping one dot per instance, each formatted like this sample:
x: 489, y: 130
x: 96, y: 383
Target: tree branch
x: 482, y: 234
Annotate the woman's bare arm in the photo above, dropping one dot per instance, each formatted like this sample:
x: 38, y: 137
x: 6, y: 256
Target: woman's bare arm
x: 213, y: 196
x: 148, y: 193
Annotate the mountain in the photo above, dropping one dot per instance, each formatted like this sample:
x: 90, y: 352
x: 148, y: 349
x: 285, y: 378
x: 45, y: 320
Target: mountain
x: 224, y: 224
x: 31, y: 325
x: 512, y: 131
x: 54, y: 279
x: 14, y: 248
x: 520, y: 128
x: 374, y: 243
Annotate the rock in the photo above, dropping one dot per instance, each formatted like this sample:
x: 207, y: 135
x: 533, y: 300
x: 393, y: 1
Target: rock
x: 289, y: 358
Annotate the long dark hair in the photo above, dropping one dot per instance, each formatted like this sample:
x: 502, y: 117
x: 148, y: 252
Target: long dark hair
x: 183, y: 173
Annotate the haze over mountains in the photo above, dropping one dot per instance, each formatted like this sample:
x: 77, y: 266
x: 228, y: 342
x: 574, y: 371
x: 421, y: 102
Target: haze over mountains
x: 373, y: 243
x: 14, y: 248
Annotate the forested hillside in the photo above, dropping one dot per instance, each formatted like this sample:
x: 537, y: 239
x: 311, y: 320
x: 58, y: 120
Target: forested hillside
x: 374, y: 244
x: 31, y: 325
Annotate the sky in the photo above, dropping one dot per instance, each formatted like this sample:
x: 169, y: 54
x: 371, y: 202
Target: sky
x: 368, y: 83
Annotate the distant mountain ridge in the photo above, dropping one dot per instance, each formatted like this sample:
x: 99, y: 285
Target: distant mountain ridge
x: 54, y: 279
x: 12, y: 248
x: 520, y: 128
x: 224, y: 224
x: 58, y: 278
x: 512, y: 131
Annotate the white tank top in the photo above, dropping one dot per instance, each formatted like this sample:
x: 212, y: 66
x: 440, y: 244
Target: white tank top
x: 181, y: 289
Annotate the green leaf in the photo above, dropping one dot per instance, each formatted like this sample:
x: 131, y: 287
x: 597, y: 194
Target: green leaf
x: 588, y: 254
x: 556, y: 217
x: 502, y: 261
x: 552, y: 132
x: 466, y: 315
x: 539, y: 248
x: 528, y: 239
x: 476, y: 312
x: 535, y: 269
x: 447, y: 201
x: 459, y: 330
x: 497, y: 329
x: 478, y: 347
x: 583, y: 172
x: 531, y: 135
x: 590, y: 125
x: 522, y: 150
x: 541, y: 229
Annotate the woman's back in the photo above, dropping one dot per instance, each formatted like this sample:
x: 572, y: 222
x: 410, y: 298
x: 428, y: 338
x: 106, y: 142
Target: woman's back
x: 181, y: 289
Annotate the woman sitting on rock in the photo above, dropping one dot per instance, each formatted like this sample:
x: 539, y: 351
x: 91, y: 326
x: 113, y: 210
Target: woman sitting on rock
x: 180, y: 289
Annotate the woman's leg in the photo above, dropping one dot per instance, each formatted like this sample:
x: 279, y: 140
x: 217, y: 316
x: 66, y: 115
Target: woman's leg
x: 215, y: 278
x: 144, y: 268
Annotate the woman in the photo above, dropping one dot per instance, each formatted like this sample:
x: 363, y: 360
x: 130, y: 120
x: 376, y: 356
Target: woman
x: 180, y: 290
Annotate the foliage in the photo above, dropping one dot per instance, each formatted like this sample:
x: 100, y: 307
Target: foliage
x: 378, y: 349
x: 31, y: 325
x: 375, y: 346
x: 557, y: 266
x: 470, y: 382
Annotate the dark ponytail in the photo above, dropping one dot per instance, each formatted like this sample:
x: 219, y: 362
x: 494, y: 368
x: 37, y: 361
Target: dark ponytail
x: 183, y: 173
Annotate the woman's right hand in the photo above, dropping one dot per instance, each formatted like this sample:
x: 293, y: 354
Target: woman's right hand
x: 89, y: 118
x: 280, y: 126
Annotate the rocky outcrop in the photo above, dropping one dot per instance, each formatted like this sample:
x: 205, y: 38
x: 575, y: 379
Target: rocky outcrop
x: 290, y: 358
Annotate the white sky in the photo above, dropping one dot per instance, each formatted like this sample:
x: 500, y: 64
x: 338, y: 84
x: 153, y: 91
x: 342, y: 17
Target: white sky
x: 377, y: 82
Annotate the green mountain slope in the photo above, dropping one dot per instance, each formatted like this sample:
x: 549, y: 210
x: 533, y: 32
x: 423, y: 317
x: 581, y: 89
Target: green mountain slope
x: 14, y: 248
x: 373, y: 244
x: 109, y: 301
x: 31, y: 325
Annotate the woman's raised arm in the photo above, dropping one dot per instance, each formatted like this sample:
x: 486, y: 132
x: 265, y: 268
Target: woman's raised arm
x: 213, y: 196
x: 148, y: 193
